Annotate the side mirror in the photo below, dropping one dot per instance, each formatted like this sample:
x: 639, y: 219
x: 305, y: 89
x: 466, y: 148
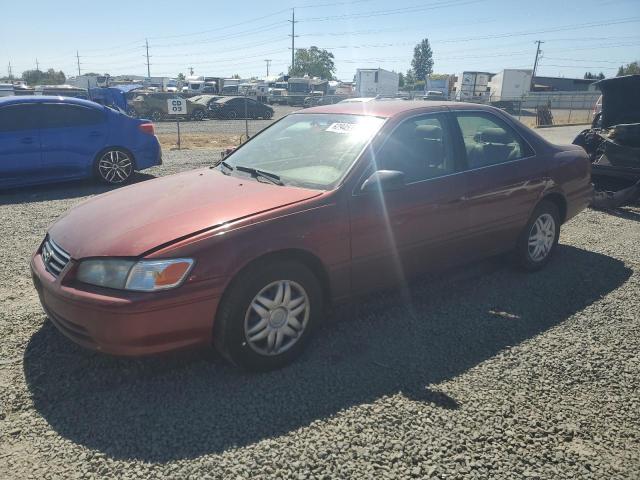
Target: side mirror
x: 384, y: 180
x: 225, y: 153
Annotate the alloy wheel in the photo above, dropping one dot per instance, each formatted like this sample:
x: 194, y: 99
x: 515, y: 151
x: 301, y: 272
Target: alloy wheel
x: 541, y: 237
x: 115, y: 167
x: 276, y: 318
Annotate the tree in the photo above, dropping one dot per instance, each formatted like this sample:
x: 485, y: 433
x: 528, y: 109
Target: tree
x: 409, y: 79
x: 601, y: 76
x: 422, y: 62
x: 400, y: 80
x: 315, y: 62
x: 589, y: 76
x: 630, y: 69
x: 38, y: 77
x: 181, y: 77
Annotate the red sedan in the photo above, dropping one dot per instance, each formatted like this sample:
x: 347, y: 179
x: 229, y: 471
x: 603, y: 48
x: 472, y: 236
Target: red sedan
x: 325, y: 204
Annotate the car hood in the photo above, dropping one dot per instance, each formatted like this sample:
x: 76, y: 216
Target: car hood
x: 133, y: 220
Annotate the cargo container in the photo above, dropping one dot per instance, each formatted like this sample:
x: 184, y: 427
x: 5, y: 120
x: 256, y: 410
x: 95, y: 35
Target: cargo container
x: 371, y: 82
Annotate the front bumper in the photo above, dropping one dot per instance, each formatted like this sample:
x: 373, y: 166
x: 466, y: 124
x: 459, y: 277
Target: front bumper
x: 128, y: 323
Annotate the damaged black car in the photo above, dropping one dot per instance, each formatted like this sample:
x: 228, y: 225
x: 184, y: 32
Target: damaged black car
x: 614, y: 143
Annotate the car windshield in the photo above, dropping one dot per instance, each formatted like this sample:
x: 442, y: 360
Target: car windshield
x: 308, y: 150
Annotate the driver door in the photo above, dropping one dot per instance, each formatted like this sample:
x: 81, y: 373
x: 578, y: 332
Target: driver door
x: 398, y: 234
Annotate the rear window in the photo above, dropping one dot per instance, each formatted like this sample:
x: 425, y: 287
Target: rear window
x: 15, y: 118
x: 64, y: 116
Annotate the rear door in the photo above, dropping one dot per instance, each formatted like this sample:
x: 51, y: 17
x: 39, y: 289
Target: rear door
x: 504, y: 179
x: 72, y: 135
x: 20, y: 160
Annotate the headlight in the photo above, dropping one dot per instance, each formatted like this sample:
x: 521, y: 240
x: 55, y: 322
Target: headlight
x: 142, y: 276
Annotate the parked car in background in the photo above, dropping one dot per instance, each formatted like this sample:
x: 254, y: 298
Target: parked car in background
x: 6, y: 89
x: 155, y: 107
x: 48, y: 139
x: 327, y: 203
x: 240, y: 107
x: 434, y: 95
x: 322, y: 100
x: 207, y: 101
x: 62, y: 90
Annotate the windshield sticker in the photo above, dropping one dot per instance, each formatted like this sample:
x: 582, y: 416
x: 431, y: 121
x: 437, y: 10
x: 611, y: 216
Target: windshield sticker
x: 341, y: 127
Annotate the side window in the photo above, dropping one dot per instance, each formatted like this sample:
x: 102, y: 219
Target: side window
x: 14, y: 118
x: 420, y: 147
x: 489, y: 141
x: 62, y: 115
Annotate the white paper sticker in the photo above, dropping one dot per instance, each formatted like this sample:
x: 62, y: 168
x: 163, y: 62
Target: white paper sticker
x: 341, y: 127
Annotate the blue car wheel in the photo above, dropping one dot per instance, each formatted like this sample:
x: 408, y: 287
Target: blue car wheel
x: 115, y: 167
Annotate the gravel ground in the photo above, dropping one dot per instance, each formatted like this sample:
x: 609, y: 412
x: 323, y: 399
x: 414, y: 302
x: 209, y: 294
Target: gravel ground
x: 488, y: 373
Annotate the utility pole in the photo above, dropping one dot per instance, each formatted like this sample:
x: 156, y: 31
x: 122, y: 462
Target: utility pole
x: 293, y: 37
x: 148, y: 64
x: 268, y: 61
x: 78, y: 59
x: 37, y: 66
x: 535, y: 65
x: 10, y: 73
x: 191, y: 71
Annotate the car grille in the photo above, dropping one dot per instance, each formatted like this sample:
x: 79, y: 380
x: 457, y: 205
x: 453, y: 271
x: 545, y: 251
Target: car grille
x: 54, y: 257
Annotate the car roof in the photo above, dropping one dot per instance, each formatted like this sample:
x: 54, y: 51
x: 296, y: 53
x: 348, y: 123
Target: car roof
x: 46, y: 98
x: 388, y: 108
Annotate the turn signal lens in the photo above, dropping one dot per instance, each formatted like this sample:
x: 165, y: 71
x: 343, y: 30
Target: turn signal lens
x: 152, y: 275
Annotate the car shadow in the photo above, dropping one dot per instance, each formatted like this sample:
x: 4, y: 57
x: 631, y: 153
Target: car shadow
x: 185, y: 405
x: 63, y: 190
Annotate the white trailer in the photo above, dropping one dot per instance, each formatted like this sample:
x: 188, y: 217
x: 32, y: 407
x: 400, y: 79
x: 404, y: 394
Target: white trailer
x: 473, y: 86
x: 371, y: 82
x: 510, y: 84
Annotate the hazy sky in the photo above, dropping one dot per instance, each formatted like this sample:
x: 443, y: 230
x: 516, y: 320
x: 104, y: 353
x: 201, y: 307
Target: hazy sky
x: 222, y: 38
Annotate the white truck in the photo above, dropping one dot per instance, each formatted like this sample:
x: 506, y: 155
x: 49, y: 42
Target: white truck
x: 372, y: 82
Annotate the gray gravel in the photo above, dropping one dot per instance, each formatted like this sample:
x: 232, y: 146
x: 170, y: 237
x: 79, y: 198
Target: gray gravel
x: 488, y: 373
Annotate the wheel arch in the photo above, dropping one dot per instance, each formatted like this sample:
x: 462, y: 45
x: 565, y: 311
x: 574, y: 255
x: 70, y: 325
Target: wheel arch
x: 559, y: 201
x: 305, y: 257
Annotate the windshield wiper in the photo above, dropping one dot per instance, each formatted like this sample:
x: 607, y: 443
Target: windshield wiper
x: 271, y: 177
x: 224, y: 164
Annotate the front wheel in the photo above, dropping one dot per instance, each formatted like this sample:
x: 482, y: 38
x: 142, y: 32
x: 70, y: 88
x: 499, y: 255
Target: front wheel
x: 114, y: 167
x: 156, y: 116
x: 539, y: 238
x: 232, y: 115
x: 268, y: 315
x: 199, y: 115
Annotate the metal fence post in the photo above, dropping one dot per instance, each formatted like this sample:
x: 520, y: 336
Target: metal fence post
x: 246, y: 115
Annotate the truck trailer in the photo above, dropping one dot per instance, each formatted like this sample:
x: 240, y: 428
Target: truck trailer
x: 371, y: 82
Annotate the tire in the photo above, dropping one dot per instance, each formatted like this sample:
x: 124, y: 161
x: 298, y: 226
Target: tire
x: 132, y: 112
x: 267, y: 115
x: 539, y: 238
x: 268, y: 336
x: 114, y: 166
x: 156, y: 116
x: 199, y: 115
x: 231, y: 115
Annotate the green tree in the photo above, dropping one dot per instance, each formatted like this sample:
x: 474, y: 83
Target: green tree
x: 630, y: 69
x: 409, y: 79
x: 400, y: 80
x: 38, y: 77
x: 181, y: 77
x: 315, y: 62
x: 589, y: 76
x: 422, y: 62
x: 601, y: 76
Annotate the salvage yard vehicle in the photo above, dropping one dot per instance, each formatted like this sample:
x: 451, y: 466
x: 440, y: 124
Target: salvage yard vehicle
x: 52, y: 139
x: 327, y: 203
x: 154, y: 106
x: 239, y: 107
x: 613, y: 142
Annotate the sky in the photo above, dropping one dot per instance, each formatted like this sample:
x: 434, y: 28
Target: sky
x: 225, y: 38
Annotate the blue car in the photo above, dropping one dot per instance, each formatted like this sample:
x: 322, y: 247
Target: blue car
x: 51, y: 139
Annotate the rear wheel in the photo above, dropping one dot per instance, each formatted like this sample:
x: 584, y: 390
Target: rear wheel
x: 199, y: 115
x: 232, y: 115
x: 539, y: 238
x: 156, y: 115
x: 114, y: 167
x: 268, y: 315
x: 267, y: 115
